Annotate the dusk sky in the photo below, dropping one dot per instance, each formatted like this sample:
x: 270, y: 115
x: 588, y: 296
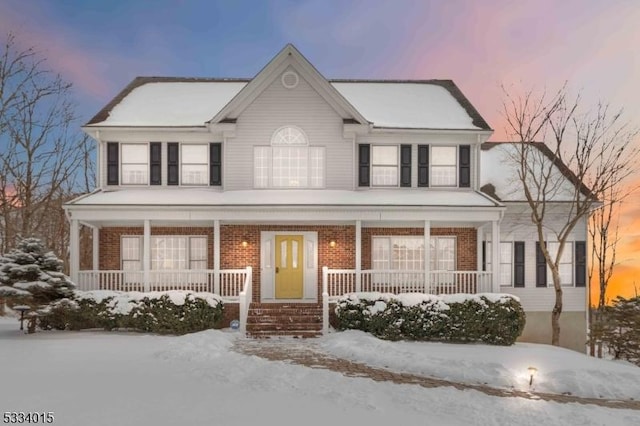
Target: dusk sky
x: 592, y: 44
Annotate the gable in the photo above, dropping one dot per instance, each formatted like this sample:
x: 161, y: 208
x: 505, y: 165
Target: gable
x: 288, y: 59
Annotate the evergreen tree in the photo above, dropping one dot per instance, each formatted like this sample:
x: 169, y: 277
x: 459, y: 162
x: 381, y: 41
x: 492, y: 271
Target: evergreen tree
x: 32, y: 272
x: 621, y: 329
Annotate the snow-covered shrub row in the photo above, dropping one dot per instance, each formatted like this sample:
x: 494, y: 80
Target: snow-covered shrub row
x: 170, y: 312
x: 488, y: 317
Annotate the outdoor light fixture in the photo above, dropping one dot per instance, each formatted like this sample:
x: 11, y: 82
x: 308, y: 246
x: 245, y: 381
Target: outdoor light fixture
x: 532, y: 372
x: 332, y: 243
x: 245, y: 243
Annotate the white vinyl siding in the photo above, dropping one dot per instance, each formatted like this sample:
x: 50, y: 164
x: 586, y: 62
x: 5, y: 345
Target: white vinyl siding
x: 444, y: 166
x: 194, y: 167
x: 384, y: 165
x: 303, y: 108
x: 134, y: 164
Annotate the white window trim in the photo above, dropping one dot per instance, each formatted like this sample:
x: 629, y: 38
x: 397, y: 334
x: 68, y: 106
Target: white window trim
x: 180, y: 163
x: 433, y: 237
x: 309, y: 168
x: 455, y: 165
x: 571, y: 246
x: 188, y: 249
x: 489, y: 261
x: 372, y: 165
x: 120, y: 164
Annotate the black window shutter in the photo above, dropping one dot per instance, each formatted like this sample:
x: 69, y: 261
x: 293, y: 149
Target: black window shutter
x: 541, y: 267
x: 405, y: 165
x: 581, y: 263
x: 215, y: 164
x: 364, y: 162
x: 484, y: 255
x: 112, y: 163
x: 423, y: 165
x: 173, y: 164
x: 518, y: 263
x: 465, y: 165
x: 155, y: 165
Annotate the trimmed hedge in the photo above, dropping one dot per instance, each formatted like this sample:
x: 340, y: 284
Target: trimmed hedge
x: 173, y: 312
x: 496, y: 319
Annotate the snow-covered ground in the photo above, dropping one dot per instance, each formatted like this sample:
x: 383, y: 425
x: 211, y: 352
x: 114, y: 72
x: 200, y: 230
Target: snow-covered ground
x: 100, y: 378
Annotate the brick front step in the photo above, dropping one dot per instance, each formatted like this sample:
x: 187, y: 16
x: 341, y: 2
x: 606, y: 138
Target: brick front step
x: 301, y: 320
x: 290, y: 333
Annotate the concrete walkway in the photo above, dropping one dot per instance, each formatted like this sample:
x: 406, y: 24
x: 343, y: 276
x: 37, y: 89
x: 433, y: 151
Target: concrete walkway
x: 307, y: 353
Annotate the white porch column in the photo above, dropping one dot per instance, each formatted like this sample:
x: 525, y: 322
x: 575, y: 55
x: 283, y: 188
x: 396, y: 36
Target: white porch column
x: 74, y: 250
x: 479, y: 240
x: 146, y: 253
x: 216, y: 256
x: 96, y: 248
x: 358, y: 255
x: 495, y: 256
x: 427, y: 256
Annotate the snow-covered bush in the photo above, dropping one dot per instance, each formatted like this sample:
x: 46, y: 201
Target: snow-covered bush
x: 32, y: 272
x: 490, y: 318
x: 170, y: 312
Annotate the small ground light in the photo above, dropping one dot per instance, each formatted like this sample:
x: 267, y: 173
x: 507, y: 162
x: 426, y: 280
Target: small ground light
x: 532, y: 372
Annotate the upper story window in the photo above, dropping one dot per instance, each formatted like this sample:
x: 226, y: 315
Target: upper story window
x: 135, y: 164
x: 384, y: 165
x: 393, y: 166
x: 164, y: 163
x: 194, y: 164
x: 444, y: 166
x: 289, y: 162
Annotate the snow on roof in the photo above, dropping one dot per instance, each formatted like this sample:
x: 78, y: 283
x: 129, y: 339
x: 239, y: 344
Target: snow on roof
x: 406, y: 105
x: 159, y: 101
x: 211, y: 197
x: 499, y: 168
x: 173, y: 103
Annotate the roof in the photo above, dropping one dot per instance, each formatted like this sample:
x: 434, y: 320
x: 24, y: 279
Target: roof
x: 191, y: 102
x: 500, y: 184
x: 289, y: 198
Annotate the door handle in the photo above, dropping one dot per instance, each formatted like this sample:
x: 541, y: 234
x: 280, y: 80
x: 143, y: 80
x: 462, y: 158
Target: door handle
x: 277, y: 269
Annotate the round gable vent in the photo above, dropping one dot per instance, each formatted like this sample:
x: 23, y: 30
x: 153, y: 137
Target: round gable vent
x: 290, y: 79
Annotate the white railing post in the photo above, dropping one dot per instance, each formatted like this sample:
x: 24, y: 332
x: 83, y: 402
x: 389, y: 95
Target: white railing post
x: 325, y: 300
x: 427, y: 256
x: 245, y: 299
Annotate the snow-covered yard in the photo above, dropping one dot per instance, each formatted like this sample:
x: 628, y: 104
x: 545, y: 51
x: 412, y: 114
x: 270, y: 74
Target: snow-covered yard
x: 100, y: 378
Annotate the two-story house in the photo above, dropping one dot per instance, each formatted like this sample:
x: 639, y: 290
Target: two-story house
x: 282, y: 192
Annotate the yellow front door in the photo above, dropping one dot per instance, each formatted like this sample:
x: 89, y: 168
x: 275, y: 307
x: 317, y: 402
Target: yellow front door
x: 289, y: 267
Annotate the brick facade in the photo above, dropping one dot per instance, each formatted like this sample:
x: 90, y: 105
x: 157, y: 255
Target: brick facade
x: 234, y: 255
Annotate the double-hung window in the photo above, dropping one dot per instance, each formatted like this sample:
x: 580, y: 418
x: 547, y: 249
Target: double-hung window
x: 194, y: 164
x: 565, y: 267
x: 407, y: 253
x: 384, y: 165
x: 178, y: 252
x: 444, y: 166
x: 289, y: 162
x: 506, y: 262
x: 135, y: 164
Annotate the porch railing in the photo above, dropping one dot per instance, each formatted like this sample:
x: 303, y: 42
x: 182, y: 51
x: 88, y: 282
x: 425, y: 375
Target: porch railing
x: 343, y: 281
x: 228, y: 283
x: 337, y: 282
